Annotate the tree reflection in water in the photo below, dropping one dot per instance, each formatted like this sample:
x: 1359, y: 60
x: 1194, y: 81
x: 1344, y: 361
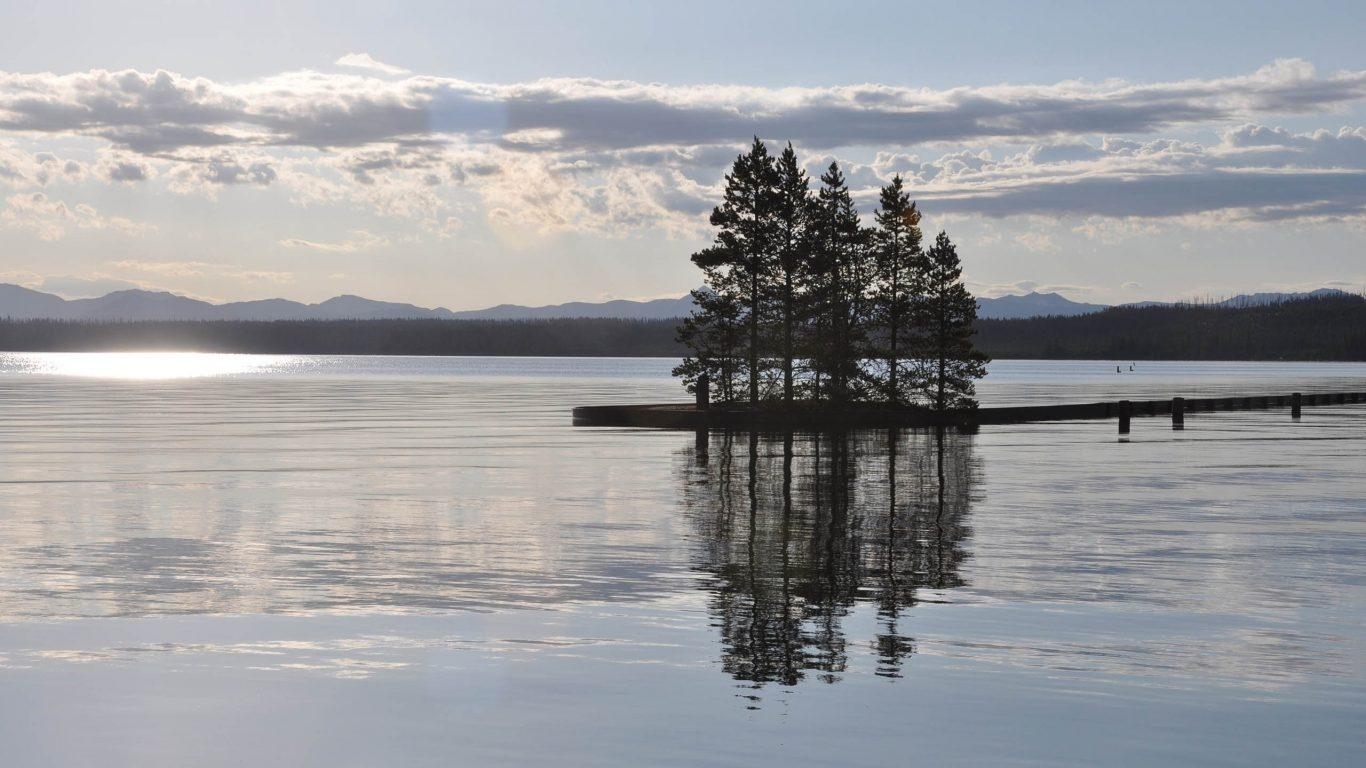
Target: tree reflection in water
x: 796, y: 531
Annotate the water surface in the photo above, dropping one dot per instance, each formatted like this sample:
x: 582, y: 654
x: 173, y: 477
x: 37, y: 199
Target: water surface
x: 227, y: 560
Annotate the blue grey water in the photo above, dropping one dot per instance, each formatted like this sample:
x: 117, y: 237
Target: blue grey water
x: 219, y: 560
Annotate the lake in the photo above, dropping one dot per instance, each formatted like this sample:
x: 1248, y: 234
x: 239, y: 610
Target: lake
x: 222, y: 560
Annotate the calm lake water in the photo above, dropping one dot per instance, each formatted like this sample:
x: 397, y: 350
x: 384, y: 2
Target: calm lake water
x: 220, y: 560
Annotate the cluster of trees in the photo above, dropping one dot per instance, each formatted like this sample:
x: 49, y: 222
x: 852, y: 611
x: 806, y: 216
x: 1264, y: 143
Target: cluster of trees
x: 803, y: 302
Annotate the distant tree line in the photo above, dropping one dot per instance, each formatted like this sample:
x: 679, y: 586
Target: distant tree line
x: 803, y: 302
x: 1320, y: 328
x: 1330, y: 328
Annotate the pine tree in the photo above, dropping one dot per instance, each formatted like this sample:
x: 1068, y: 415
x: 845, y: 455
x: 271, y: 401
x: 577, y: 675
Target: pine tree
x: 947, y: 311
x: 738, y: 262
x: 900, y: 266
x: 714, y: 333
x: 791, y: 268
x: 840, y: 297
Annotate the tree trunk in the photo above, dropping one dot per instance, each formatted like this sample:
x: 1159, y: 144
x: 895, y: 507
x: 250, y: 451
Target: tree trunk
x: 943, y: 354
x: 895, y: 320
x: 787, y: 338
x: 754, y: 335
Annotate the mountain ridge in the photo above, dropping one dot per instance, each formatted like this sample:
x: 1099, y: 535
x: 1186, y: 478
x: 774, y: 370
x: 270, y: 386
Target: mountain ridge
x: 20, y: 303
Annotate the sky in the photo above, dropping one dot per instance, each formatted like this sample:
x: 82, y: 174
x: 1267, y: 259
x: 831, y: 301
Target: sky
x: 468, y: 154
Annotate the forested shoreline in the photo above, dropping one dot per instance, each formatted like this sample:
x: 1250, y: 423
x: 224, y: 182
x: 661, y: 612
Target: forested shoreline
x: 1324, y: 329
x: 1321, y: 329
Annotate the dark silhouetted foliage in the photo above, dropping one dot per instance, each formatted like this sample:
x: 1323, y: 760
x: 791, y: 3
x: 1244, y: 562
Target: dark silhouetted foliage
x: 831, y: 309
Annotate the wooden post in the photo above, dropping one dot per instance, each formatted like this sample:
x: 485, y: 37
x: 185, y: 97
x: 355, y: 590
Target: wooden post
x: 1178, y: 413
x: 1126, y: 409
x: 1296, y: 400
x: 703, y: 392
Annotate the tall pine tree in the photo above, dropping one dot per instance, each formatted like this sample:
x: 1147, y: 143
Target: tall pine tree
x: 840, y: 297
x: 946, y: 312
x: 739, y: 261
x: 715, y: 335
x: 899, y: 271
x: 791, y: 268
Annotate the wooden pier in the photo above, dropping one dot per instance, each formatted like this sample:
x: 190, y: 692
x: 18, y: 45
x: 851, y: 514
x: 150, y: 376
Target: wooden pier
x: 824, y: 418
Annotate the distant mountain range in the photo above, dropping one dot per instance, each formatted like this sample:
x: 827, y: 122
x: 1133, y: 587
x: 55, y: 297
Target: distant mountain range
x: 1033, y: 305
x: 17, y: 302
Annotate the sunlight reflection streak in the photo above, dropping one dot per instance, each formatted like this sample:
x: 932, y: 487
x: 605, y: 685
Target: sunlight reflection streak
x: 143, y: 365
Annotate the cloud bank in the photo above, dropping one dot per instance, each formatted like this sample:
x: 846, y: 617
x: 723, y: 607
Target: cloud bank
x: 616, y: 157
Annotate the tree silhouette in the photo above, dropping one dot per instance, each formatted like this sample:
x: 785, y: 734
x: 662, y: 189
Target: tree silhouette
x: 739, y: 262
x: 947, y: 313
x: 792, y: 270
x: 900, y: 276
x: 713, y: 333
x: 841, y: 290
x: 819, y: 305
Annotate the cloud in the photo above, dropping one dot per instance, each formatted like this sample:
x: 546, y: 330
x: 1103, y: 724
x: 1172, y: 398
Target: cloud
x: 162, y: 111
x: 1120, y: 186
x: 617, y: 158
x: 268, y: 276
x: 22, y: 169
x: 120, y: 167
x: 1019, y: 287
x: 366, y: 61
x: 164, y: 268
x: 360, y: 240
x: 76, y: 287
x: 183, y: 269
x: 50, y: 219
x: 205, y: 173
x: 1036, y: 241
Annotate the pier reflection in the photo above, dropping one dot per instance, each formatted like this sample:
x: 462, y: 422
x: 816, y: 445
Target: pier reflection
x: 798, y: 532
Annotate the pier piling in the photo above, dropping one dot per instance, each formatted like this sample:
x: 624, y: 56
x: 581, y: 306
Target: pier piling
x: 1296, y: 400
x: 1178, y: 413
x: 1126, y: 410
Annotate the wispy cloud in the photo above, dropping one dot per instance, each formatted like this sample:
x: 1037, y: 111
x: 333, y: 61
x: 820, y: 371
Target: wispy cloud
x: 51, y: 219
x: 366, y: 61
x: 360, y: 240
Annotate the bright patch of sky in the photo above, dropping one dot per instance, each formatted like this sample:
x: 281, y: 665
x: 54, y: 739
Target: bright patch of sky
x: 464, y: 155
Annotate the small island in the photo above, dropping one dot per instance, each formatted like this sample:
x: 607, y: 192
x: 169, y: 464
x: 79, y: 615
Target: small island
x: 808, y: 318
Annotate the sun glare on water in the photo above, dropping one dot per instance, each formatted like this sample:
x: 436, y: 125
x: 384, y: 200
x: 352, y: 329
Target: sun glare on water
x: 138, y: 365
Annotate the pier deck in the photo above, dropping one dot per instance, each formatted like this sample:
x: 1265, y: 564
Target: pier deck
x: 691, y: 417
